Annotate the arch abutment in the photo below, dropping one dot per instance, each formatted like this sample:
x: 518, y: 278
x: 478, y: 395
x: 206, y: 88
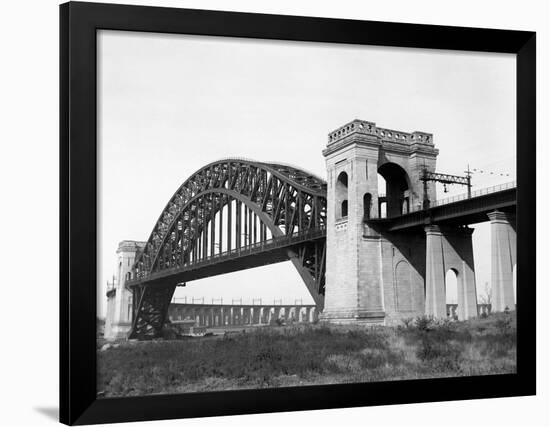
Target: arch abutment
x: 503, y: 259
x: 450, y: 248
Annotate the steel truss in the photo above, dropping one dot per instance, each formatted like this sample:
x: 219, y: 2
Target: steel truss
x: 228, y: 206
x: 444, y: 179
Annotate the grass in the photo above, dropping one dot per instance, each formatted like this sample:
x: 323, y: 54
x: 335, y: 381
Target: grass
x: 311, y: 354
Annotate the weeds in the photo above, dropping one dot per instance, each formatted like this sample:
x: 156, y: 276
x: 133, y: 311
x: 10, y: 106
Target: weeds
x: 314, y: 354
x: 424, y: 323
x: 408, y: 322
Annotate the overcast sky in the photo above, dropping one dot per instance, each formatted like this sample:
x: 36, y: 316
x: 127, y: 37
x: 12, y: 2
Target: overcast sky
x: 169, y: 104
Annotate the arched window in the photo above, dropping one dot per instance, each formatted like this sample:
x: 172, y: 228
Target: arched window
x: 382, y: 207
x: 341, y: 195
x: 344, y: 211
x: 367, y: 201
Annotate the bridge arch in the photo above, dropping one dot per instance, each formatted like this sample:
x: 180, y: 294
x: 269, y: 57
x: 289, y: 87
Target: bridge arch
x: 238, y: 202
x: 398, y: 185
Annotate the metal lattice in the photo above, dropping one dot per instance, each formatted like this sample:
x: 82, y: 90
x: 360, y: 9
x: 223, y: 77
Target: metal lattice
x: 229, y: 209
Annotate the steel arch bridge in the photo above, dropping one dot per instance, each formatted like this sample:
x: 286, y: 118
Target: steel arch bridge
x: 230, y: 215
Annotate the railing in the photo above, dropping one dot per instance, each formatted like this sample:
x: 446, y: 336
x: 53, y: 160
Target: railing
x: 274, y: 243
x: 254, y: 302
x: 476, y: 193
x: 386, y: 134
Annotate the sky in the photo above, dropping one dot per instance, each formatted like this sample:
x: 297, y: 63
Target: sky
x: 170, y: 104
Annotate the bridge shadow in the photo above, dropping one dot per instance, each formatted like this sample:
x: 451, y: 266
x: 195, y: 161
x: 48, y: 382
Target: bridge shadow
x: 411, y: 244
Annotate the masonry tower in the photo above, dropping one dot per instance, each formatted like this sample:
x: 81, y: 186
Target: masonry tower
x: 119, y: 297
x: 371, y: 277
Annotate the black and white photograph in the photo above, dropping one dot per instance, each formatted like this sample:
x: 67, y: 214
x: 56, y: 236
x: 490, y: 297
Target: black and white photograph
x: 278, y: 214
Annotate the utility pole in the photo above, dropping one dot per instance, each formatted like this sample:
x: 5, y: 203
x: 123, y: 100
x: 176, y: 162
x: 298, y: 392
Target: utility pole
x: 468, y: 173
x: 444, y: 179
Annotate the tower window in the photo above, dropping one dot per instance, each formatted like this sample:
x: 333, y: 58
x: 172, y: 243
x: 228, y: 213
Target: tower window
x: 367, y: 202
x: 344, y: 210
x: 341, y: 195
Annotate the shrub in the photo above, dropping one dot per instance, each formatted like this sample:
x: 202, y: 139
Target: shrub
x: 444, y: 325
x: 424, y: 323
x: 443, y: 356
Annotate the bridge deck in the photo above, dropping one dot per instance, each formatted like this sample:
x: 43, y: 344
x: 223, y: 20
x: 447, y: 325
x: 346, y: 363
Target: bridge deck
x: 255, y: 255
x: 461, y: 212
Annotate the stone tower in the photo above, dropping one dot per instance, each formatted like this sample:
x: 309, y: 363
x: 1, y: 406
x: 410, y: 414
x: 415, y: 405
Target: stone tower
x: 370, y: 277
x: 119, y: 298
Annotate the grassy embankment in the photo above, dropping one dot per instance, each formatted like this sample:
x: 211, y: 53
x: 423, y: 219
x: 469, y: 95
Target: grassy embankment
x: 311, y: 354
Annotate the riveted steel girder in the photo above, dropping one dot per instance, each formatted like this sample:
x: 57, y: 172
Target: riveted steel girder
x: 227, y: 207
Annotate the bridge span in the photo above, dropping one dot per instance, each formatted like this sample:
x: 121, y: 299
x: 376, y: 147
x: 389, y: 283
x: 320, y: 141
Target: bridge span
x: 364, y: 256
x: 461, y: 210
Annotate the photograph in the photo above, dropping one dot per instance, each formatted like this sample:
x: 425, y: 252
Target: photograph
x: 278, y: 213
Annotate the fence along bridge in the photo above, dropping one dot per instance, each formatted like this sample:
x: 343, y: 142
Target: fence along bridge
x: 236, y: 214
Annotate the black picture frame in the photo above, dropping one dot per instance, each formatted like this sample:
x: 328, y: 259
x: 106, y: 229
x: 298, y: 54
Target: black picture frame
x: 78, y: 201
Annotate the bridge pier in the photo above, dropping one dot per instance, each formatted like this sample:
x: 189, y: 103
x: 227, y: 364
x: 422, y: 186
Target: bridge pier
x: 257, y: 319
x: 503, y: 260
x: 450, y: 248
